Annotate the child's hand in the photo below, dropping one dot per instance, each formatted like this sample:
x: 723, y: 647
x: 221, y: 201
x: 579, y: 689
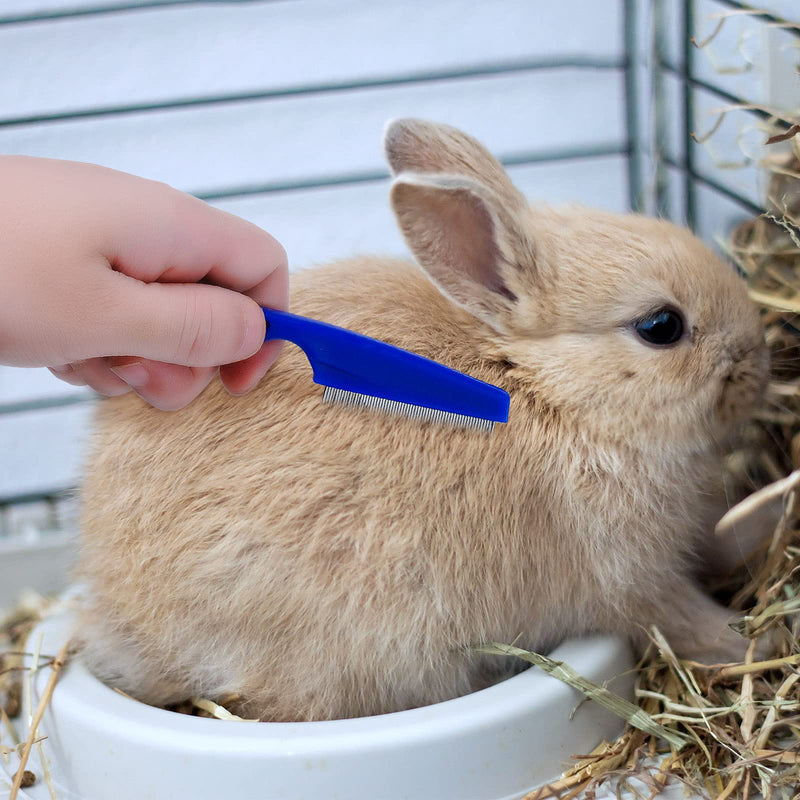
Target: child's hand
x: 99, y: 276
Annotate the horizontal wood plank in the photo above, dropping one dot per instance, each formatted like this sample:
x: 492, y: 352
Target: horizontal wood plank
x: 34, y: 10
x: 312, y: 138
x: 19, y: 386
x: 42, y: 450
x: 335, y: 222
x: 178, y: 53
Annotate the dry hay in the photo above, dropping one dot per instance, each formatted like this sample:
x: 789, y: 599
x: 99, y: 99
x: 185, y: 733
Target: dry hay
x: 17, y: 670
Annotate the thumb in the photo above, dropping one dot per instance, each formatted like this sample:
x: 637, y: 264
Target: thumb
x: 196, y: 325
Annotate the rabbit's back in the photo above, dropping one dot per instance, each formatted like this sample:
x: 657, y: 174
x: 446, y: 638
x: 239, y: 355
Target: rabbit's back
x: 287, y: 537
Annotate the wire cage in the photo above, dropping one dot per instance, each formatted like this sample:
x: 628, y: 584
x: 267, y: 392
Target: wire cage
x: 273, y: 110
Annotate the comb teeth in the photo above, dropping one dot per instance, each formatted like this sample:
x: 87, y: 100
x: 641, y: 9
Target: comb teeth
x: 342, y: 397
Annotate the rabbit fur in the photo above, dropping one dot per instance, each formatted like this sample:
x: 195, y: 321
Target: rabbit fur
x: 322, y: 562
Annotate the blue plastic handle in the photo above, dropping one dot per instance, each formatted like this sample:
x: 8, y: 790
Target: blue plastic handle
x: 346, y: 360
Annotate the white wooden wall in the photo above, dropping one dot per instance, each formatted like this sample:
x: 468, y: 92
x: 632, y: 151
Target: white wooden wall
x: 274, y: 111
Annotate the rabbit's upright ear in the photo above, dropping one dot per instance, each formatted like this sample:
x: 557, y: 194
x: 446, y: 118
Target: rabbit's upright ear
x: 462, y: 218
x: 416, y: 145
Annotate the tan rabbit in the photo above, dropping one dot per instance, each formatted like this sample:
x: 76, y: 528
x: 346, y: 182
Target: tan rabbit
x: 326, y: 562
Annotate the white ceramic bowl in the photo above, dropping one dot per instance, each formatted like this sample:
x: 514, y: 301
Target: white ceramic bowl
x: 497, y: 743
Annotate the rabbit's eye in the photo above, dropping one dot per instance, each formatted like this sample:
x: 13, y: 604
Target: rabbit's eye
x: 662, y: 327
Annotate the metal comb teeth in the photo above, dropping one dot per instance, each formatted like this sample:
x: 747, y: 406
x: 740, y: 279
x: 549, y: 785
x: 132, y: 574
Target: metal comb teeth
x: 342, y: 397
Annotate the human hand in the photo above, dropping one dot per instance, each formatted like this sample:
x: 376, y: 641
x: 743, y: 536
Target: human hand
x: 99, y: 276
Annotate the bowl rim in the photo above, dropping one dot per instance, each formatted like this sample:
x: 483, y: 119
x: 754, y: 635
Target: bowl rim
x: 499, y: 742
x: 78, y: 692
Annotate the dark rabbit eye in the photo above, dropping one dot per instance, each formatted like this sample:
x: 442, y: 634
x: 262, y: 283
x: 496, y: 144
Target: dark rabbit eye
x: 662, y: 327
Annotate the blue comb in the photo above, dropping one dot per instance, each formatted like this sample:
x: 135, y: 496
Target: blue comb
x: 358, y: 371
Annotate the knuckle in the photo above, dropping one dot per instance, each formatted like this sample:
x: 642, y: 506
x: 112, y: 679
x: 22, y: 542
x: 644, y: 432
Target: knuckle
x: 241, y: 327
x: 175, y: 212
x: 195, y: 335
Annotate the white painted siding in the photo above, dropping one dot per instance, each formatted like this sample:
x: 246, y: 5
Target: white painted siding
x: 274, y: 111
x: 175, y: 53
x: 359, y: 218
x: 312, y: 139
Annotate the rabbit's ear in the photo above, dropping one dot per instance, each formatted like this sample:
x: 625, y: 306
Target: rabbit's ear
x: 472, y: 246
x: 416, y: 145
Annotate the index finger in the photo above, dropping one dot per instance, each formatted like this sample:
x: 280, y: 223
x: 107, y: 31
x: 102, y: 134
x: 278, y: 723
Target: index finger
x: 161, y: 234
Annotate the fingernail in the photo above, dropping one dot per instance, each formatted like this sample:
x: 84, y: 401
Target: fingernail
x: 135, y: 374
x: 61, y: 369
x: 253, y: 335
